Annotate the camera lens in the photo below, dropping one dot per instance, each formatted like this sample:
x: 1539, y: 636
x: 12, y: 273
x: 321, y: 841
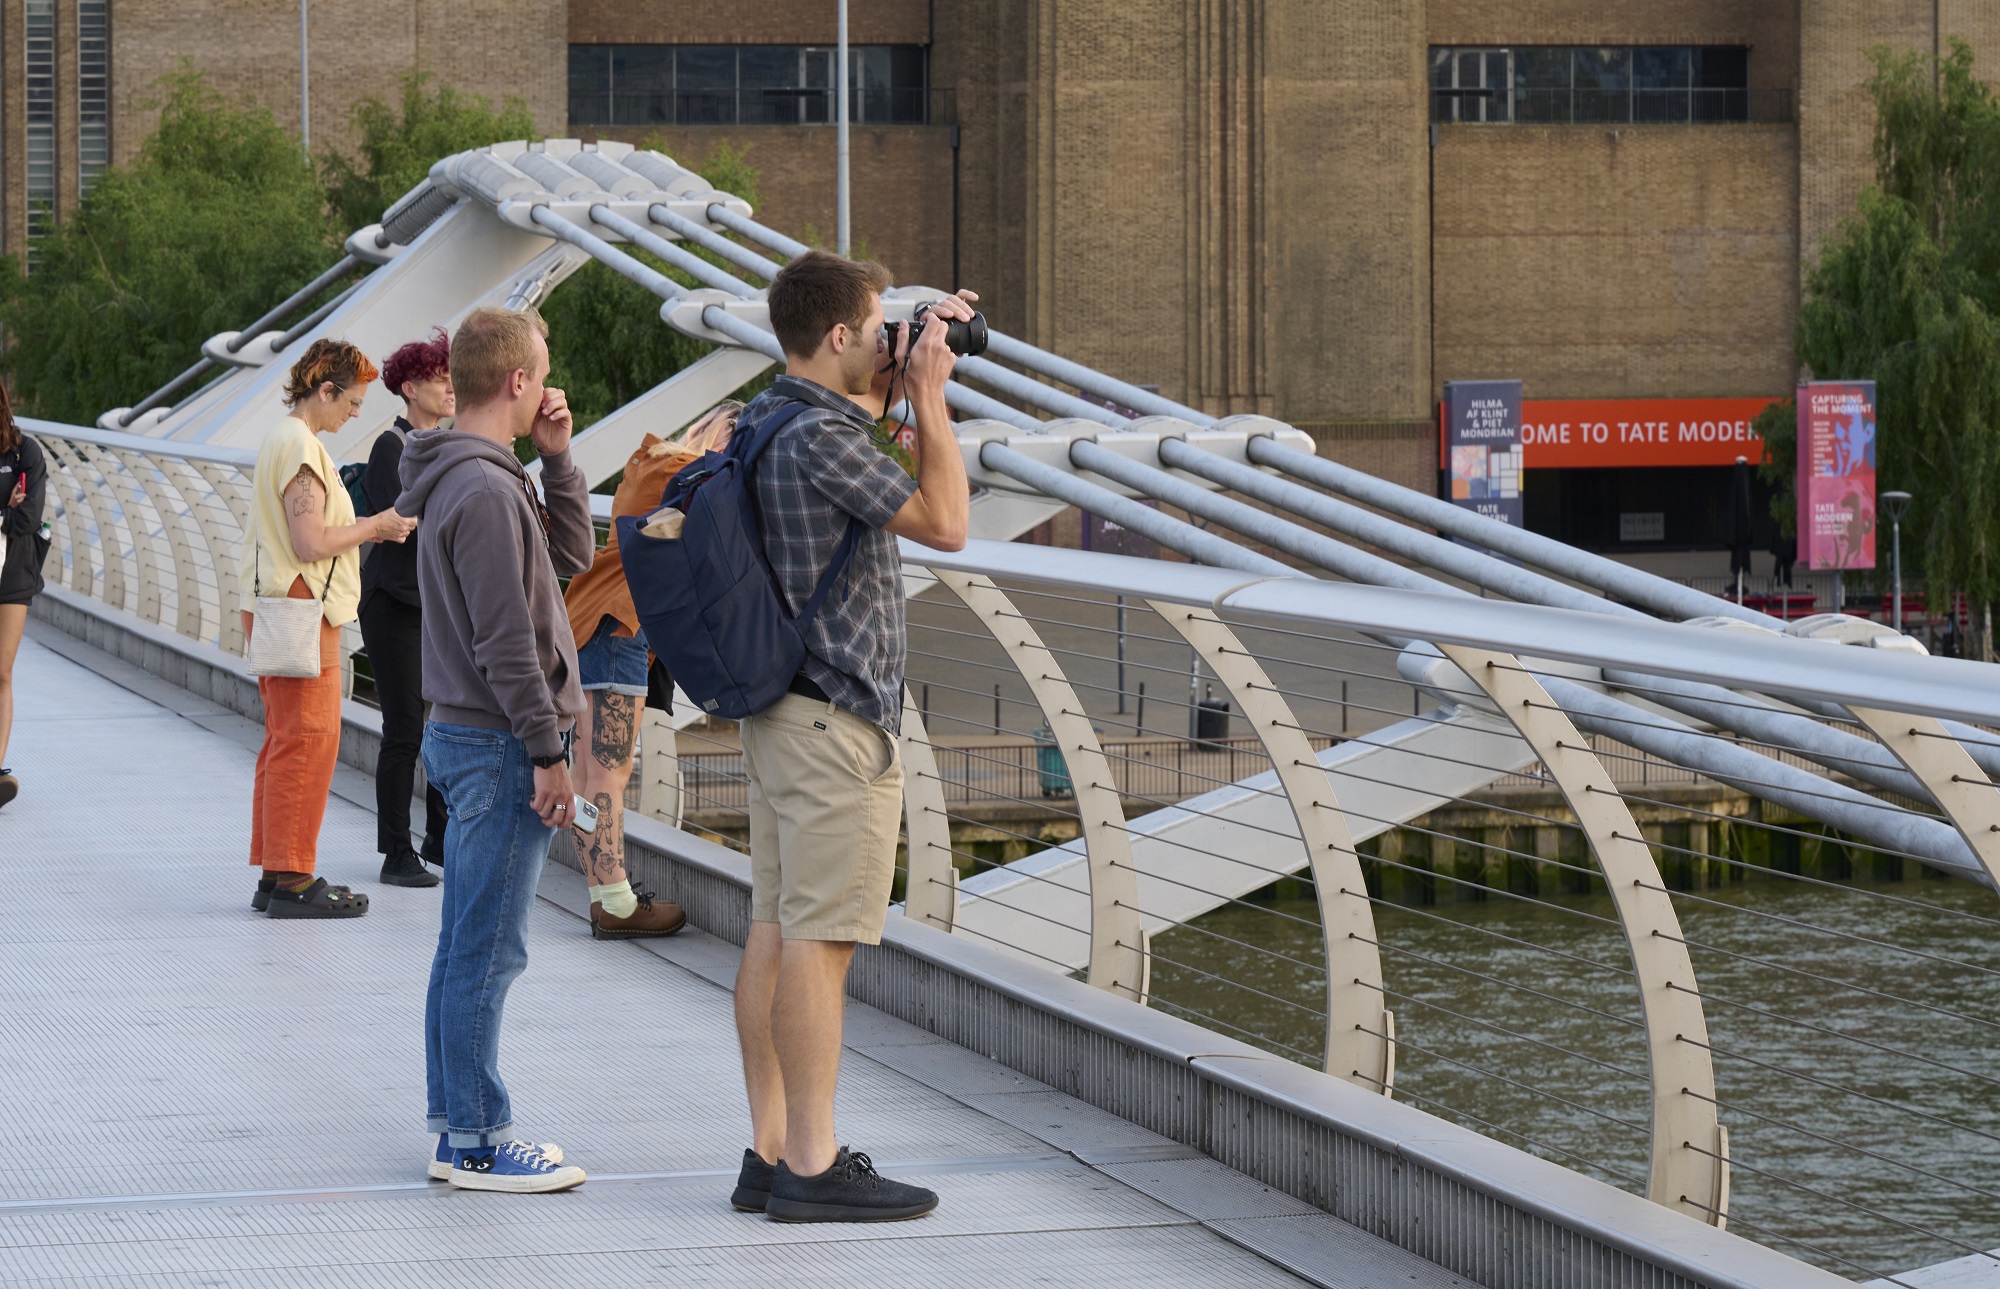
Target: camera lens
x: 966, y: 339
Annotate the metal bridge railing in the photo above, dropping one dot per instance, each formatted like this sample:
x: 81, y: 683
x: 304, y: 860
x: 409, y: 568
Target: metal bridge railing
x: 1702, y: 910
x: 1607, y: 974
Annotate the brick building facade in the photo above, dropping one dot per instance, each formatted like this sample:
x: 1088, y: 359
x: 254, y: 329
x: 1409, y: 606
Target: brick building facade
x: 1317, y: 209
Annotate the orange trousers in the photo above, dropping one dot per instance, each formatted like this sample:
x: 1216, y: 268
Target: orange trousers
x: 295, y: 765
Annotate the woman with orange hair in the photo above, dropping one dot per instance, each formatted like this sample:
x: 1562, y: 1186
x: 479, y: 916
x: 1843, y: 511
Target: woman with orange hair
x: 304, y: 539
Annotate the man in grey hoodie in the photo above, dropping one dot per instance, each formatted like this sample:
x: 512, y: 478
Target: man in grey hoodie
x: 499, y: 670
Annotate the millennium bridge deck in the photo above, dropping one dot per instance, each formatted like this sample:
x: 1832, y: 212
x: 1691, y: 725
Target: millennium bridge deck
x: 195, y: 1095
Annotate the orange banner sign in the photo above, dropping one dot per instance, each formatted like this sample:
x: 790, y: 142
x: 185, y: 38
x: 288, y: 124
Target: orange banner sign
x: 1615, y: 432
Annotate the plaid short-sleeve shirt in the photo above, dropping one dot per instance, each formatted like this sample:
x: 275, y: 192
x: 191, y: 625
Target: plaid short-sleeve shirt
x: 822, y: 471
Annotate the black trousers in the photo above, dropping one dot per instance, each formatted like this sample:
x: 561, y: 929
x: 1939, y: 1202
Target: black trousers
x: 394, y: 634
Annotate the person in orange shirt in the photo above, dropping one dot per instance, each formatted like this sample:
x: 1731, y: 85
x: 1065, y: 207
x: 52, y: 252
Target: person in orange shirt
x: 612, y: 664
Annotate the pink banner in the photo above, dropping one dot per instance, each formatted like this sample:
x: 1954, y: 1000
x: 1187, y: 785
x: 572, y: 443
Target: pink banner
x: 1836, y: 480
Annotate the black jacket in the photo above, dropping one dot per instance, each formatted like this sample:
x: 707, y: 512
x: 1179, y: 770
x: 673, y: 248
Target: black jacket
x: 21, y: 575
x: 391, y: 567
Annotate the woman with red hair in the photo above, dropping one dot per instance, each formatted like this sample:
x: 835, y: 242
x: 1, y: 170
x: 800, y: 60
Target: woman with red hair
x: 303, y: 537
x: 392, y: 621
x: 24, y: 484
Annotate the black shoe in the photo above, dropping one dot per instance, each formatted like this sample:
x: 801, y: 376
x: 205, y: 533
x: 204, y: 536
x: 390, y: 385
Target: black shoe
x: 432, y: 853
x: 753, y: 1184
x: 318, y: 901
x: 850, y: 1191
x: 261, y: 901
x: 10, y: 787
x: 404, y: 869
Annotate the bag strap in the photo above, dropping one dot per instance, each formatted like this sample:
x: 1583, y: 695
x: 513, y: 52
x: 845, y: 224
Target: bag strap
x: 257, y: 563
x: 759, y: 441
x: 848, y: 541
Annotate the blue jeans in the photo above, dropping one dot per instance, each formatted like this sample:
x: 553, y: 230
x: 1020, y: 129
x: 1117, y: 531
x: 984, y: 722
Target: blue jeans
x: 494, y: 848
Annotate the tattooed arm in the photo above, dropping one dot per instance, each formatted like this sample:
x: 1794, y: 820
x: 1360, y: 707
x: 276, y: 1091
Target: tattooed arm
x: 313, y: 539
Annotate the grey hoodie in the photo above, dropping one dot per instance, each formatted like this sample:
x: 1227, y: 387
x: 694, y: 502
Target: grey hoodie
x: 498, y: 653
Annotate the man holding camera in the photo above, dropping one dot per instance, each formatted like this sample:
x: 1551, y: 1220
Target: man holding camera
x: 825, y: 778
x: 500, y: 673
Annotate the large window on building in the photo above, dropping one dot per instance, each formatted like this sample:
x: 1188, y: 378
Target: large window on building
x: 39, y: 30
x: 1562, y: 85
x: 744, y: 84
x: 93, y: 91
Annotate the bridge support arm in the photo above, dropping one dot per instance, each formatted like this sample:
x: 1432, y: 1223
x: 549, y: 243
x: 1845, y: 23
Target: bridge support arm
x: 1359, y: 1028
x: 1688, y: 1172
x: 1117, y: 946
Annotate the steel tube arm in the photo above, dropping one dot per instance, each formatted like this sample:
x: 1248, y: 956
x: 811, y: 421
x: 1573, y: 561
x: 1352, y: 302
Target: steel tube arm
x: 747, y: 334
x: 1090, y: 380
x: 756, y: 232
x: 1032, y: 391
x: 1272, y: 530
x: 293, y: 301
x: 709, y: 240
x: 166, y: 391
x: 608, y: 255
x: 700, y: 269
x: 1207, y: 548
x: 1609, y: 576
x: 1852, y: 812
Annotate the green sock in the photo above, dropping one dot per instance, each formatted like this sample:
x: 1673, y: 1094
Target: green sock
x: 617, y: 900
x: 291, y: 883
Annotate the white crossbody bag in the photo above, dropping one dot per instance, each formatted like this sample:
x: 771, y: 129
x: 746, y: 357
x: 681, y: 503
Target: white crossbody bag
x: 284, y: 633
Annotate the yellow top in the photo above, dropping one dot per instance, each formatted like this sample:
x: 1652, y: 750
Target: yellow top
x: 268, y: 561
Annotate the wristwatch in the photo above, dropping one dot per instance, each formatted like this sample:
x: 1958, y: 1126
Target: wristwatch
x: 544, y: 762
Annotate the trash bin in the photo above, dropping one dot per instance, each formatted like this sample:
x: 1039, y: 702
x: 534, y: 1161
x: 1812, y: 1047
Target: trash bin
x: 1211, y: 723
x: 1051, y: 770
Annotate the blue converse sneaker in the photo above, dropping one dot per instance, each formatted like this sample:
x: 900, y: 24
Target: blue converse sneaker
x: 440, y: 1166
x: 512, y: 1166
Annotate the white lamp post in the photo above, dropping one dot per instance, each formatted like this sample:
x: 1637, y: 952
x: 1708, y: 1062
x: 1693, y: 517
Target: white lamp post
x: 1896, y: 503
x: 305, y: 88
x: 842, y: 228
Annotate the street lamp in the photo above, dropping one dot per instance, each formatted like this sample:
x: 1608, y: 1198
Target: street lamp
x: 843, y: 225
x: 1896, y: 503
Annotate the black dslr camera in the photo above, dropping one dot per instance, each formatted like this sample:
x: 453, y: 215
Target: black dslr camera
x: 966, y: 339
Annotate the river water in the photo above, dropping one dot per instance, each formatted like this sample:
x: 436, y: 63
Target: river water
x: 1516, y: 1019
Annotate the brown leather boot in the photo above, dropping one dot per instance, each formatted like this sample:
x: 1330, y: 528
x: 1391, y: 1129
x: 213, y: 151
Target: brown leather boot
x: 653, y: 917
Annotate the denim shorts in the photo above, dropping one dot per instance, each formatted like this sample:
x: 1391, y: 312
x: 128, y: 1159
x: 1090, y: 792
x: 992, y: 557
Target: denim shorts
x: 616, y: 663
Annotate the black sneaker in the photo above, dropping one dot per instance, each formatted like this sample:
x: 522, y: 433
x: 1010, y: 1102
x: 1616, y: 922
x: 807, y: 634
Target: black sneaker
x: 753, y: 1184
x: 850, y: 1191
x: 404, y: 869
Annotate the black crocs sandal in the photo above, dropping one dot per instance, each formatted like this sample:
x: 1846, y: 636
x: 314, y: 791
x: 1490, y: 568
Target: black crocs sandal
x: 318, y: 901
x: 261, y: 901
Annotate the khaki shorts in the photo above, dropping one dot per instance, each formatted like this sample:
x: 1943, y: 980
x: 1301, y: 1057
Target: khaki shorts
x: 826, y: 798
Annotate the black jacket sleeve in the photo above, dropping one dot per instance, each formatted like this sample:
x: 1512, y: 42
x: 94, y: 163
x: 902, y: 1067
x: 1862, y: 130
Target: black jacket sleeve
x: 383, y: 482
x: 24, y: 519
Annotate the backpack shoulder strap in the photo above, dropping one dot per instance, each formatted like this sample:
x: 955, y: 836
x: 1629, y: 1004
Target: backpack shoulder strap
x: 748, y: 448
x: 761, y: 440
x: 848, y: 541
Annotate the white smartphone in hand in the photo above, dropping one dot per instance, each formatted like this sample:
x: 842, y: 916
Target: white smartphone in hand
x: 583, y: 815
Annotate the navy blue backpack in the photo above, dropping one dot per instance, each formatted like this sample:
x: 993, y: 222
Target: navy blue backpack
x: 709, y: 599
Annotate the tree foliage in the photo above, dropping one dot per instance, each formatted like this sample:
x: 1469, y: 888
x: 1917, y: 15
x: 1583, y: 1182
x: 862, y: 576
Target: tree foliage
x: 1908, y: 295
x: 398, y: 146
x: 218, y: 218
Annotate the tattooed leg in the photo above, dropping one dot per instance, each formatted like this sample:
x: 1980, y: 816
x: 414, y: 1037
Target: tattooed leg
x: 607, y: 728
